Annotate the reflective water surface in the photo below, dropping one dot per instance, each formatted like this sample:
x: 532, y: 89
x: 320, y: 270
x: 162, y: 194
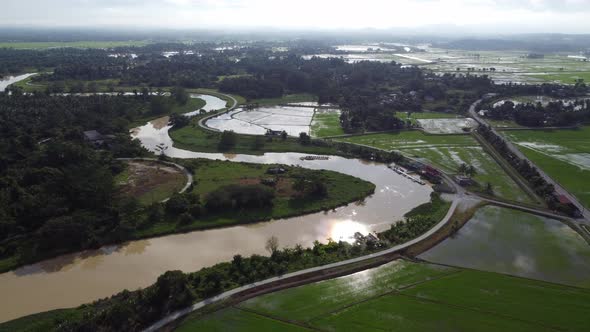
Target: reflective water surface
x: 8, y: 80
x: 517, y: 243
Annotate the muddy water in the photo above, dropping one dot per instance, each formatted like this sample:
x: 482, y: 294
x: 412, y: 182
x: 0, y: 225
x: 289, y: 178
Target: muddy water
x: 8, y: 80
x: 212, y: 103
x: 517, y: 243
x: 83, y: 277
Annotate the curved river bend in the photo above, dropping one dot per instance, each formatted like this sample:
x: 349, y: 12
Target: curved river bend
x: 71, y: 280
x: 6, y: 81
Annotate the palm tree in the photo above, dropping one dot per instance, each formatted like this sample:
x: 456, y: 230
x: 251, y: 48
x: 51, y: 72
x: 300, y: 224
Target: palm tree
x: 462, y: 168
x: 471, y: 171
x: 489, y: 189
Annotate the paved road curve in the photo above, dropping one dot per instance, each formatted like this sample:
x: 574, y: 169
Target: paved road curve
x: 202, y: 120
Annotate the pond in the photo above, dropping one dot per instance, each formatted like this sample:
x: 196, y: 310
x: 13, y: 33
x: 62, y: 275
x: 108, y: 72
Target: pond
x: 291, y: 119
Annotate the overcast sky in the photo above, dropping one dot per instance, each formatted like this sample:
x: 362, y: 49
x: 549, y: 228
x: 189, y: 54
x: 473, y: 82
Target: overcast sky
x: 502, y: 16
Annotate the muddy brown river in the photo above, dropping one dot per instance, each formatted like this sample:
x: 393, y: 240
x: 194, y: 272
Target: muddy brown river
x: 71, y: 280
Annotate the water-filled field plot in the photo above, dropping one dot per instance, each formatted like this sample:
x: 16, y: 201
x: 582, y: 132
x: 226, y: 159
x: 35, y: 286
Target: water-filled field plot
x: 447, y: 126
x: 517, y: 243
x: 562, y: 154
x: 501, y: 66
x: 510, y: 66
x: 293, y: 120
x: 448, y: 152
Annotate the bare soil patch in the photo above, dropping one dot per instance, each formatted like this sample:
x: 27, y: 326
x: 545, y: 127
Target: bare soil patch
x: 148, y: 180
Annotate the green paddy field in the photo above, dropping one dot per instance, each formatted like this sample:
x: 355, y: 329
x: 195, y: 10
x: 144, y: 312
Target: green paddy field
x: 562, y: 154
x: 405, y: 296
x: 447, y: 152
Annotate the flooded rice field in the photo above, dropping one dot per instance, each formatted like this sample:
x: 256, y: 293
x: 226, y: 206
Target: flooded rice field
x: 517, y: 243
x: 293, y: 120
x: 500, y: 66
x: 447, y: 126
x: 71, y: 280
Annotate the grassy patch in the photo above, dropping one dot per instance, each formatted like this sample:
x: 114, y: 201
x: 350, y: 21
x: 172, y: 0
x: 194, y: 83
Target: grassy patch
x: 45, y: 321
x: 410, y: 139
x: 149, y: 181
x: 400, y: 313
x: 423, y: 115
x: 503, y: 124
x: 566, y: 77
x: 326, y: 123
x: 286, y: 99
x: 563, y: 154
x: 211, y: 175
x: 195, y: 138
x: 99, y: 85
x: 238, y: 320
x: 302, y: 302
x: 403, y: 296
x: 533, y: 301
x: 193, y: 104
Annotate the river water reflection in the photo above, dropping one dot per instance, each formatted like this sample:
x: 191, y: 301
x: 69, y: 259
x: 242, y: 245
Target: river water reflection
x: 71, y: 280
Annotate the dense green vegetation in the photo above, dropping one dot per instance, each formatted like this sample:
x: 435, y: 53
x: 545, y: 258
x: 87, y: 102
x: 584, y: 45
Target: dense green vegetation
x: 418, y: 221
x: 554, y: 114
x: 369, y: 92
x: 60, y: 192
x: 57, y: 191
x: 563, y: 154
x: 410, y: 297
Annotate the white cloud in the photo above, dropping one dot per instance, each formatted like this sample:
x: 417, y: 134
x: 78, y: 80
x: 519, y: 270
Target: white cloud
x: 535, y: 15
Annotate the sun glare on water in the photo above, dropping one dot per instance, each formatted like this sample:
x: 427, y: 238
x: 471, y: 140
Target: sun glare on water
x: 344, y: 230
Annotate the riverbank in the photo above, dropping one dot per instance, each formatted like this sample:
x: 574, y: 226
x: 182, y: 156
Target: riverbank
x: 245, y: 271
x: 195, y: 138
x: 211, y: 175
